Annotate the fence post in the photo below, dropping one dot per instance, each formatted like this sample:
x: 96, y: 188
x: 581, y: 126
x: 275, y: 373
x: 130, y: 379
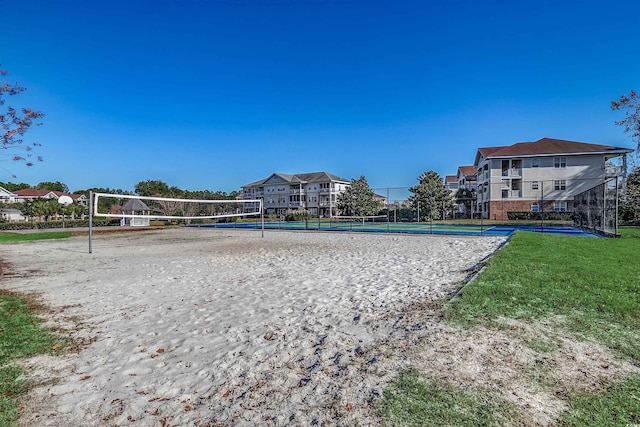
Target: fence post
x: 604, y: 205
x: 615, y: 221
x: 542, y: 207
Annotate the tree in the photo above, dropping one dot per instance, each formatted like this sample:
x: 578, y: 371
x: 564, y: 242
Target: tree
x: 76, y: 210
x: 631, y: 121
x: 53, y: 186
x: 630, y: 206
x: 152, y: 188
x: 40, y: 208
x: 15, y: 122
x: 106, y: 204
x: 358, y: 199
x: 430, y: 196
x: 14, y: 187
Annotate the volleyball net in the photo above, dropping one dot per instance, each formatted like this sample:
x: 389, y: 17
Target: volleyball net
x: 140, y: 211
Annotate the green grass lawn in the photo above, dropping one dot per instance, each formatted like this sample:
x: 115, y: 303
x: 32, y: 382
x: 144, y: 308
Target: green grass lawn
x: 412, y: 401
x: 25, y: 237
x: 21, y: 336
x: 589, y: 287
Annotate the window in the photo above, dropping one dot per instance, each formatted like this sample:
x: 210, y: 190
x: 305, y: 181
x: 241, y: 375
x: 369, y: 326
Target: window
x: 560, y: 185
x: 535, y: 163
x: 534, y: 185
x: 560, y: 206
x: 560, y: 162
x: 535, y: 207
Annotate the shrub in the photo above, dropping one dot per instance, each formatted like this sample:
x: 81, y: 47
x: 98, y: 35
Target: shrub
x: 44, y: 225
x: 537, y: 216
x: 297, y: 215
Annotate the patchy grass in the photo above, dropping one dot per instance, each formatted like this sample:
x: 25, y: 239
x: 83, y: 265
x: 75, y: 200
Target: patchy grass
x: 411, y: 401
x: 594, y: 284
x: 617, y: 405
x: 587, y: 288
x: 21, y: 335
x: 25, y: 237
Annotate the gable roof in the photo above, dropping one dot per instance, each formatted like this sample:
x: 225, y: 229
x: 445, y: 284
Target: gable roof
x: 547, y: 147
x: 33, y: 193
x: 450, y: 178
x: 467, y: 170
x: 551, y: 146
x: 301, y: 178
x: 135, y: 205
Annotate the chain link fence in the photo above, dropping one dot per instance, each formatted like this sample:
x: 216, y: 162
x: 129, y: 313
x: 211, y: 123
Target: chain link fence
x: 586, y: 203
x: 596, y: 209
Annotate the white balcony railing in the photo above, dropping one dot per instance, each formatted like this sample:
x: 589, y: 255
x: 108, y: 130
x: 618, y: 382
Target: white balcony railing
x: 511, y: 194
x: 512, y: 173
x: 610, y: 171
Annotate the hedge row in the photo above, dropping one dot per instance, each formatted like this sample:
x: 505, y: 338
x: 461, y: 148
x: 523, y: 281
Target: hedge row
x: 76, y: 223
x: 538, y: 216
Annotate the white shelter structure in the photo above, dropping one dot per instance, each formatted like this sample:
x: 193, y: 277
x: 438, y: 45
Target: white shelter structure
x: 135, y: 207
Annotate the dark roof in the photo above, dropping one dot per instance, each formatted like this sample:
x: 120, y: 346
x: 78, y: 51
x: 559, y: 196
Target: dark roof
x: 468, y: 170
x: 301, y: 178
x: 32, y: 192
x: 549, y: 146
x: 135, y: 205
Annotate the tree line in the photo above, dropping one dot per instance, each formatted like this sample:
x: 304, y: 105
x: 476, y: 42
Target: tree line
x: 47, y: 209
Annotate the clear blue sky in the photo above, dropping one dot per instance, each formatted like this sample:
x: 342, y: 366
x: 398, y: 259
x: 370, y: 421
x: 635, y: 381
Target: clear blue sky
x: 216, y: 94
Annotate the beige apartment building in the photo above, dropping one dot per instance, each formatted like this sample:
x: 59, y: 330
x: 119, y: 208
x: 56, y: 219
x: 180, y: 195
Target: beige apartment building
x: 316, y: 192
x: 541, y: 175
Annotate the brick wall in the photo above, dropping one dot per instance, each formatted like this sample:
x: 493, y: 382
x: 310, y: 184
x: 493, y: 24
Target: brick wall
x: 498, y: 209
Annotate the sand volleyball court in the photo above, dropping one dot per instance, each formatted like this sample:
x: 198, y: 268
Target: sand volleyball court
x: 210, y: 327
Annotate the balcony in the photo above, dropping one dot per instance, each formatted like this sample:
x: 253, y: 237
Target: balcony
x: 512, y: 173
x: 511, y: 194
x: 611, y: 171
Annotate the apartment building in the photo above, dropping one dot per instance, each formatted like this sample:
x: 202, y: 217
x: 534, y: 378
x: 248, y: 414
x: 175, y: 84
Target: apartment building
x: 467, y: 177
x: 466, y: 180
x: 316, y: 192
x: 451, y: 183
x: 541, y: 175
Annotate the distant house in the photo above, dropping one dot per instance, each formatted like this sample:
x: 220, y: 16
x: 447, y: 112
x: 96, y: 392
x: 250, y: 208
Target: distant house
x: 13, y: 215
x: 7, y: 196
x: 28, y: 194
x: 316, y: 192
x: 135, y: 207
x: 381, y: 200
x: 544, y: 175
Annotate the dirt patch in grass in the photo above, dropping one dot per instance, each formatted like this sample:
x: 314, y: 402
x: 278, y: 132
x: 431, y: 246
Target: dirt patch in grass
x: 533, y: 366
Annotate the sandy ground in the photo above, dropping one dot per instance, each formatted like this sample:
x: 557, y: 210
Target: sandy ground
x: 210, y: 327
